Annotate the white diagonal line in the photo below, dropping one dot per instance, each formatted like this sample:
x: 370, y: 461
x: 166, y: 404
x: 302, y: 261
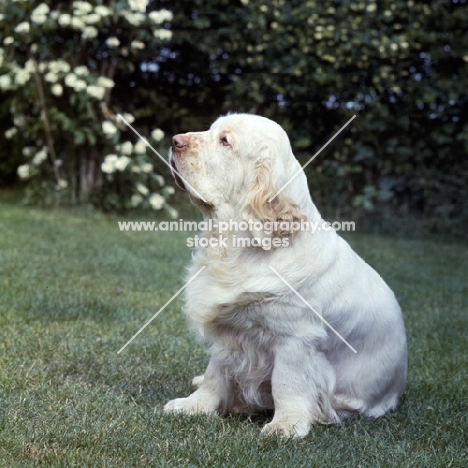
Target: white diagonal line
x: 145, y: 141
x: 312, y: 158
x: 313, y: 310
x: 161, y: 309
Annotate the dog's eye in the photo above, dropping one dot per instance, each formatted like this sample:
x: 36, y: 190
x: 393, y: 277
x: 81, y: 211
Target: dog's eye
x: 224, y: 141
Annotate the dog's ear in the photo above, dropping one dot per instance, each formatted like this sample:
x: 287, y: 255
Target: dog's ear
x: 280, y: 214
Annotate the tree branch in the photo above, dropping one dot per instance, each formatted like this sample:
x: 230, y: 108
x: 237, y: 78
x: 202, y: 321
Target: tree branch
x: 45, y: 119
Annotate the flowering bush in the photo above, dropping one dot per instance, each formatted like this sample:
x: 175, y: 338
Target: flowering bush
x: 129, y: 178
x: 57, y: 70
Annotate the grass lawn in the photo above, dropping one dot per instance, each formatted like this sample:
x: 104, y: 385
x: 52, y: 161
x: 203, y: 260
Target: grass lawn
x: 74, y: 290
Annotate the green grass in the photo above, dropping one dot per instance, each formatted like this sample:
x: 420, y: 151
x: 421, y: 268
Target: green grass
x: 73, y: 290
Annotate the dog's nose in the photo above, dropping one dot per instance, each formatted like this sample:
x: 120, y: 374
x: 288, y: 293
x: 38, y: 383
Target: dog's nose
x: 179, y: 141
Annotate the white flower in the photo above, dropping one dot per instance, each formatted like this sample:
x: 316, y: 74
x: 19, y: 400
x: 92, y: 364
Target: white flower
x: 160, y: 179
x: 142, y: 189
x: 61, y: 184
x: 64, y: 19
x: 71, y: 80
x: 108, y: 128
x: 19, y: 121
x: 27, y: 150
x: 105, y: 82
x: 136, y: 169
x: 10, y: 133
x: 135, y: 19
x: 138, y: 5
x: 81, y: 70
x: 29, y: 66
x: 22, y: 27
x: 51, y: 77
x: 122, y: 163
x: 167, y: 15
x: 96, y: 92
x: 80, y: 85
x: 23, y: 171
x: 160, y: 16
x: 93, y: 18
x: 39, y: 157
x: 57, y: 90
x: 128, y: 117
x: 8, y: 40
x: 147, y: 168
x: 22, y: 76
x: 52, y: 66
x: 126, y: 147
x: 77, y: 23
x: 157, y: 134
x: 82, y: 8
x: 136, y: 199
x: 173, y: 213
x: 63, y: 66
x: 108, y: 166
x: 38, y: 18
x: 113, y: 42
x: 163, y: 34
x: 55, y: 66
x: 102, y: 10
x: 5, y: 82
x: 137, y: 45
x: 156, y: 201
x: 89, y: 32
x: 170, y: 190
x: 140, y: 147
x: 111, y: 158
x: 2, y: 16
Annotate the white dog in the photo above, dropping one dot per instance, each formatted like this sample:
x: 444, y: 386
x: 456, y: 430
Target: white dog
x: 270, y: 349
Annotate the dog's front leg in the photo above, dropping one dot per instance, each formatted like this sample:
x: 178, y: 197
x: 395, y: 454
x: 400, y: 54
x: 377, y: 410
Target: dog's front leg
x: 209, y: 397
x: 302, y: 384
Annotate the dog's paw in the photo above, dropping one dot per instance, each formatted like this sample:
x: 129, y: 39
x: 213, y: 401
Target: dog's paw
x: 287, y: 428
x: 189, y: 405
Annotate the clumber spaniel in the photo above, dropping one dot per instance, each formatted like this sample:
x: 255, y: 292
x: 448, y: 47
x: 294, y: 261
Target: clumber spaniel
x: 269, y: 350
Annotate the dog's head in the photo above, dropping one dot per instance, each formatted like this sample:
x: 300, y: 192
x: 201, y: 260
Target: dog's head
x: 242, y: 162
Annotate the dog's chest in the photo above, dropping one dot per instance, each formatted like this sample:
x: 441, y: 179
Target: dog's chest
x: 243, y: 300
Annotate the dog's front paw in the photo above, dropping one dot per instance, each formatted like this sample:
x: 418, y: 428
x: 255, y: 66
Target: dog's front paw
x: 287, y: 428
x: 189, y: 405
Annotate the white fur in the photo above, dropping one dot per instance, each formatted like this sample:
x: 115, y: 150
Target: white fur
x: 269, y: 350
